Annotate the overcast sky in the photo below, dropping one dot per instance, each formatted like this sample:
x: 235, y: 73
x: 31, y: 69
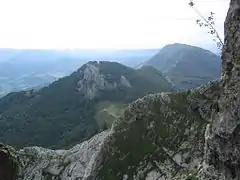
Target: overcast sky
x: 105, y: 24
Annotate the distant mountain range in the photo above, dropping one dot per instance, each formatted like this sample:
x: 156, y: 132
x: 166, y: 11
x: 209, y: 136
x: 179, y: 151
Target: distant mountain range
x: 24, y: 69
x: 75, y: 107
x: 183, y: 65
x: 186, y: 66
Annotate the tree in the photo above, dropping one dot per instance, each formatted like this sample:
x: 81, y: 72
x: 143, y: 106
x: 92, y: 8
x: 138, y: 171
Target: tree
x: 208, y: 23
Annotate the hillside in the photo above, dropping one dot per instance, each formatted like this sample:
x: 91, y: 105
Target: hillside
x: 23, y: 69
x: 75, y: 107
x: 187, y: 66
x: 154, y: 75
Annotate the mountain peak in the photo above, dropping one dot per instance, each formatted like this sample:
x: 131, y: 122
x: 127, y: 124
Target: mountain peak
x: 93, y: 78
x: 186, y: 66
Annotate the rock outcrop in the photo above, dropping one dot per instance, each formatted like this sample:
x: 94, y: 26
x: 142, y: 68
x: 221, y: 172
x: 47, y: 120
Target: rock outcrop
x: 36, y: 163
x: 223, y: 137
x: 8, y: 163
x: 159, y: 136
x: 93, y: 81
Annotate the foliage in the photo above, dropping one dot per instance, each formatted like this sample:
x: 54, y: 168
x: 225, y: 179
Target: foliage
x: 208, y: 23
x: 155, y: 76
x: 192, y: 177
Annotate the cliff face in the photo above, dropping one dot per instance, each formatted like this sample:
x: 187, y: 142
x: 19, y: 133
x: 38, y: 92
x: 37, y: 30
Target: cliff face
x: 223, y: 137
x: 189, y: 135
x: 93, y: 81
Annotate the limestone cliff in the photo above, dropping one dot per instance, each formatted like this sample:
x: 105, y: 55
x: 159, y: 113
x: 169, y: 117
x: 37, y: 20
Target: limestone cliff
x: 93, y: 81
x: 223, y: 137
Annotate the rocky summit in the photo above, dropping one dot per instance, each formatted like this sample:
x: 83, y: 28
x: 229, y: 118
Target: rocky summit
x: 192, y: 135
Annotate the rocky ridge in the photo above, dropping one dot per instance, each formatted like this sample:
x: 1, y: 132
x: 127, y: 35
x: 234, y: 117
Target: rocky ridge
x: 76, y: 163
x: 141, y: 144
x: 159, y: 136
x: 38, y: 163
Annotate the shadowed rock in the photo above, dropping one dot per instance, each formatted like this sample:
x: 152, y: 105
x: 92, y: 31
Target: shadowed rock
x: 8, y: 163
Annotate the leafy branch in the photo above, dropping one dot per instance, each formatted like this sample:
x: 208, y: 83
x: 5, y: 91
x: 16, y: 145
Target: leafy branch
x: 209, y: 23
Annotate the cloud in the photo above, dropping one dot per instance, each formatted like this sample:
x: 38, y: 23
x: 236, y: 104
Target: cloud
x: 111, y: 24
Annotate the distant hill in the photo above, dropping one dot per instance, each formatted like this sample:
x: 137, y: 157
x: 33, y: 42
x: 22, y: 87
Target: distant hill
x: 155, y: 76
x: 23, y: 69
x: 187, y: 66
x: 75, y: 107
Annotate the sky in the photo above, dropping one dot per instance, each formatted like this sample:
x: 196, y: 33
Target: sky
x: 105, y: 24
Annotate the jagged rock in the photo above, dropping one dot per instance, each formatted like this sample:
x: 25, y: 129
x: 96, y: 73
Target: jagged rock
x: 38, y: 163
x: 8, y: 163
x: 93, y: 80
x: 209, y: 173
x: 223, y: 137
x: 158, y: 136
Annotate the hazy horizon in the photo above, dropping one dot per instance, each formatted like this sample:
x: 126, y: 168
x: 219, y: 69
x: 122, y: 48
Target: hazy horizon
x: 212, y: 48
x: 106, y: 24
